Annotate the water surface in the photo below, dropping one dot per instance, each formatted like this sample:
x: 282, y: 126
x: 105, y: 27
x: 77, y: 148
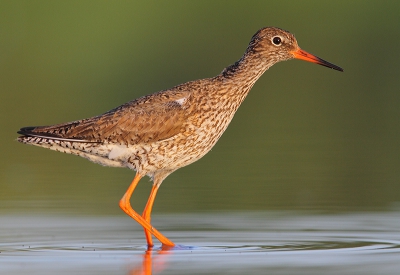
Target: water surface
x: 220, y: 243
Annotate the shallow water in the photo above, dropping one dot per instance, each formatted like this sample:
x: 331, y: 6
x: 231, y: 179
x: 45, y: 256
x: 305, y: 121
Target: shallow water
x: 219, y: 243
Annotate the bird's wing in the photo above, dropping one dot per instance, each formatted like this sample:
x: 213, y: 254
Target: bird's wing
x: 147, y: 119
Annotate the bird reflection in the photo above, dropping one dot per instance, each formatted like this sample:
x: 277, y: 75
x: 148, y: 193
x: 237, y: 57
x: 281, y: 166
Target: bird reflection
x: 152, y: 258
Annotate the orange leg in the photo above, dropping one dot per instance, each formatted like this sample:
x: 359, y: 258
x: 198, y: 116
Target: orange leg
x: 147, y: 212
x: 125, y: 205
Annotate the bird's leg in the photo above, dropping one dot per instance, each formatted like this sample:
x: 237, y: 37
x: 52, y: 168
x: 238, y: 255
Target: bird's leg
x: 125, y: 205
x: 147, y: 212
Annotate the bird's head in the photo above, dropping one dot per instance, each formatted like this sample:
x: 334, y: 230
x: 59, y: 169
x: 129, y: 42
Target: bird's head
x: 274, y: 45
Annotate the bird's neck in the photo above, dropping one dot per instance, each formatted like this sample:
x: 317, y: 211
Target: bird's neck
x: 240, y: 77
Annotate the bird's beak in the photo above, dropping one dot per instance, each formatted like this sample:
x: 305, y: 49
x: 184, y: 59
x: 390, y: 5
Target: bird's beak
x: 303, y: 55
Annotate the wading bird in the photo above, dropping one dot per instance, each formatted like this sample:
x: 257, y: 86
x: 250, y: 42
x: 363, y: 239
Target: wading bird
x: 159, y: 133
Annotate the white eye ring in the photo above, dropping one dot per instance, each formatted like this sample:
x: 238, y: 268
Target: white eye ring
x: 277, y: 40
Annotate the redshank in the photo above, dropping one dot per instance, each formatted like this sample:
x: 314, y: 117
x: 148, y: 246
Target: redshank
x: 162, y: 132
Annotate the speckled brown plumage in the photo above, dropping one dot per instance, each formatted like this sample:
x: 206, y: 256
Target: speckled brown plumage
x: 159, y: 133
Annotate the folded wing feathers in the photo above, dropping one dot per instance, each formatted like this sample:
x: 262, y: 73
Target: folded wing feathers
x: 142, y: 120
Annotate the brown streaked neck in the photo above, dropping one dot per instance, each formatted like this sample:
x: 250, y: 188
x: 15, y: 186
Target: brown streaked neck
x: 242, y: 75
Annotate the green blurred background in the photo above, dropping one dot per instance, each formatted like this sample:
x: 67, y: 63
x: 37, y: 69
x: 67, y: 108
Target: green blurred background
x: 306, y: 137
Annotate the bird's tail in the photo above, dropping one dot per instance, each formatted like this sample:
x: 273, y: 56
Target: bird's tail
x: 58, y: 137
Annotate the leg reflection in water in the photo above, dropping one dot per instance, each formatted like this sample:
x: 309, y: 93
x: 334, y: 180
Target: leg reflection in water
x: 153, y: 259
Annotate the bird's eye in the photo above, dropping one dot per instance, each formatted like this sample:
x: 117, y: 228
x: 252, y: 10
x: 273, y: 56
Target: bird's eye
x: 276, y: 40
